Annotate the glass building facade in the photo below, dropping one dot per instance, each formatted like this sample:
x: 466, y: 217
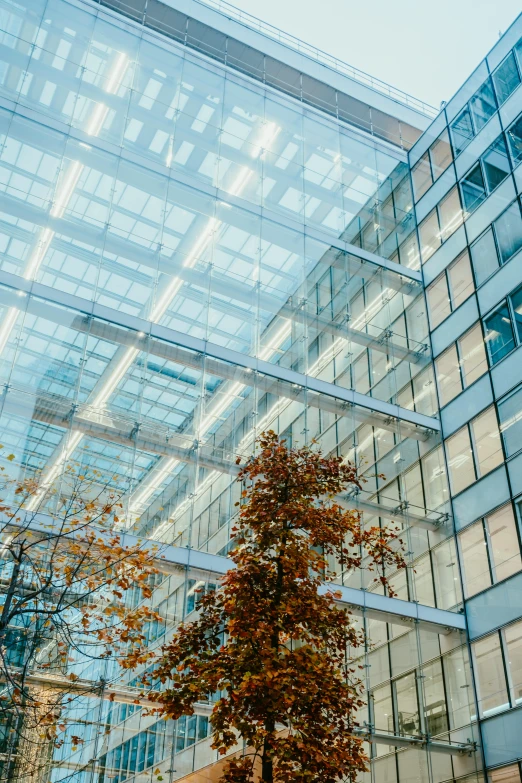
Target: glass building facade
x: 208, y: 229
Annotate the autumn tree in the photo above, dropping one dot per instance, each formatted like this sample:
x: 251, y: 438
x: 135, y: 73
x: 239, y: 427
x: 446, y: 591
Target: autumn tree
x: 66, y: 584
x: 279, y: 655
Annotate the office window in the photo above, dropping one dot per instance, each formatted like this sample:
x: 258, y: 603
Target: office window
x: 506, y: 78
x: 500, y: 339
x: 472, y: 355
x: 510, y: 414
x: 489, y: 172
x: 421, y: 176
x: 448, y: 375
x: 516, y: 304
x: 483, y: 105
x: 474, y: 558
x: 439, y: 303
x: 484, y: 256
x: 473, y: 188
x: 474, y: 450
x: 496, y: 164
x: 508, y: 230
x: 487, y: 446
x: 491, y: 676
x: 513, y: 641
x: 503, y: 543
x: 450, y: 289
x: 429, y: 234
x: 490, y: 550
x: 432, y: 164
x: 440, y: 154
x: 460, y: 460
x: 461, y: 364
x: 462, y: 130
x: 514, y: 137
x: 450, y: 214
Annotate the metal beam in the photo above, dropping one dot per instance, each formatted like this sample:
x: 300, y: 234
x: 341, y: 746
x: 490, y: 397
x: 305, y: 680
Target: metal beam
x: 400, y: 512
x: 389, y: 411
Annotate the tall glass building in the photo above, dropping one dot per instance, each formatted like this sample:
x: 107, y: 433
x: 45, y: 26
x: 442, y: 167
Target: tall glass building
x: 209, y: 229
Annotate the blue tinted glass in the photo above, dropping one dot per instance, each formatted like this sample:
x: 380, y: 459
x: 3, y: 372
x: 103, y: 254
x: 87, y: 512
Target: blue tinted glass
x: 483, y: 105
x: 462, y: 131
x: 506, y: 78
x: 516, y: 301
x: 514, y: 135
x: 484, y: 256
x: 499, y: 334
x: 496, y: 164
x: 473, y: 189
x: 508, y: 228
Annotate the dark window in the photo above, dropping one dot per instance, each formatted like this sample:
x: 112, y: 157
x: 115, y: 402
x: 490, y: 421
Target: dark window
x: 508, y: 228
x: 506, y: 78
x: 516, y: 301
x: 462, y: 131
x: 484, y: 256
x: 483, y: 105
x: 514, y: 135
x: 499, y: 334
x: 496, y: 164
x: 473, y: 188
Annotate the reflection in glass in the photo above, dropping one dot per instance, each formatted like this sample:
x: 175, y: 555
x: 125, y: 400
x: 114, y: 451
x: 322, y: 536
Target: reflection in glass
x: 484, y: 256
x: 500, y: 339
x: 491, y: 677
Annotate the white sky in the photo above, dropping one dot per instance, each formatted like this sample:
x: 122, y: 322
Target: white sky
x: 424, y: 47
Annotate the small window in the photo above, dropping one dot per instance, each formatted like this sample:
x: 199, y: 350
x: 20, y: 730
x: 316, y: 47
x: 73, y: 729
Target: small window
x: 462, y: 131
x: 516, y: 304
x: 483, y: 105
x: 491, y: 676
x: 429, y: 234
x: 450, y: 289
x: 460, y: 460
x: 514, y: 135
x: 500, y: 339
x: 450, y: 214
x: 473, y: 189
x: 484, y: 256
x: 506, y: 78
x: 496, y: 164
x: 421, y: 176
x: 461, y: 364
x: 487, y: 446
x: 508, y: 228
x: 440, y: 154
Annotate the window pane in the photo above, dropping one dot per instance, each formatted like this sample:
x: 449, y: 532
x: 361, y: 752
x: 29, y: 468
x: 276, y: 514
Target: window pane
x: 486, y: 440
x: 483, y: 105
x: 429, y: 235
x: 407, y: 706
x: 510, y: 414
x: 508, y: 228
x: 474, y: 559
x: 499, y: 334
x: 462, y: 131
x: 503, y: 543
x: 513, y: 636
x: 496, y: 164
x: 509, y: 774
x: 516, y: 301
x: 473, y: 189
x: 460, y: 280
x: 491, y: 680
x: 421, y: 176
x: 440, y: 154
x: 450, y: 214
x: 484, y: 256
x: 448, y: 375
x: 473, y: 359
x: 438, y: 301
x: 460, y: 460
x: 506, y: 78
x: 434, y: 474
x: 514, y: 135
x: 435, y: 712
x: 381, y: 702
